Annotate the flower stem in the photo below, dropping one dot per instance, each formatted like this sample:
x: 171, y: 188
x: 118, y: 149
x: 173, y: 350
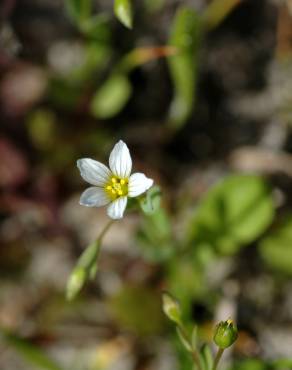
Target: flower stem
x: 98, y: 241
x: 218, y: 357
x: 104, y: 231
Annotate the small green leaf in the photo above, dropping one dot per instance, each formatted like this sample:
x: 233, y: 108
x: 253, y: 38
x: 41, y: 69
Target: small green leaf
x: 232, y: 214
x: 124, y: 12
x: 195, y: 337
x: 184, y: 339
x: 111, y: 97
x: 150, y: 202
x: 30, y: 353
x: 217, y: 11
x: 276, y: 247
x: 185, y: 37
x: 207, y: 357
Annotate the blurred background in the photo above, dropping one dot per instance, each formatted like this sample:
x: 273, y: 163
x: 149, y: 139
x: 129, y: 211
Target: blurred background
x: 201, y: 92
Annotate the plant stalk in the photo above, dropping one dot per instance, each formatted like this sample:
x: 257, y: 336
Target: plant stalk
x: 218, y: 357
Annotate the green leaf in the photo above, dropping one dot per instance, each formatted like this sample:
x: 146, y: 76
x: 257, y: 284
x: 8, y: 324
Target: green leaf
x: 206, y: 357
x: 124, y: 12
x: 111, y: 97
x: 184, y: 339
x: 234, y: 213
x: 185, y: 37
x: 195, y: 336
x: 276, y: 247
x: 150, y: 202
x: 217, y: 11
x: 31, y: 353
x: 78, y: 10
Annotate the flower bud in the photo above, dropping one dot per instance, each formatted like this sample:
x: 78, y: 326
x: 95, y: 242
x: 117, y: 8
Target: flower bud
x: 75, y: 282
x: 171, y: 308
x: 225, y: 334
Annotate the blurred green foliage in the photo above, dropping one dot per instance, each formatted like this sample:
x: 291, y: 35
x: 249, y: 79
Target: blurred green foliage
x: 233, y: 214
x: 276, y: 247
x: 124, y: 12
x: 185, y: 37
x: 30, y: 352
x: 138, y: 309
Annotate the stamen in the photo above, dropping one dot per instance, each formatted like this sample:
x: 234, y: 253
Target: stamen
x: 116, y: 187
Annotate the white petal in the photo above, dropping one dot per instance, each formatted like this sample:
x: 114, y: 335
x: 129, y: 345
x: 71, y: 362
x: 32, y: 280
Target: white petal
x: 93, y: 172
x: 117, y: 208
x: 94, y: 197
x: 138, y: 184
x: 120, y: 161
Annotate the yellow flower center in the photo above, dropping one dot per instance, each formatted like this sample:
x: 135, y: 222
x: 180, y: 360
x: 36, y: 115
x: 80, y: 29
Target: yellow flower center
x: 117, y: 187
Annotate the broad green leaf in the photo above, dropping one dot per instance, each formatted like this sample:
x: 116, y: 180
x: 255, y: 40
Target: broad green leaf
x: 232, y: 214
x: 78, y: 10
x: 111, y: 97
x: 185, y: 37
x: 217, y: 11
x: 124, y: 12
x: 150, y: 202
x: 31, y: 353
x: 276, y: 248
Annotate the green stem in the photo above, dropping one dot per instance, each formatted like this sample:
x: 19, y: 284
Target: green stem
x: 98, y: 241
x: 104, y: 231
x: 217, y: 358
x: 194, y: 353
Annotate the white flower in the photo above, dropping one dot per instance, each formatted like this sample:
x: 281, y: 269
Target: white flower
x: 113, y: 185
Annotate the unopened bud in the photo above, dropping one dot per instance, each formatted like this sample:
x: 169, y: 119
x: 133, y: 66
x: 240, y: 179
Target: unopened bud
x: 75, y: 282
x: 225, y: 334
x: 171, y: 308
